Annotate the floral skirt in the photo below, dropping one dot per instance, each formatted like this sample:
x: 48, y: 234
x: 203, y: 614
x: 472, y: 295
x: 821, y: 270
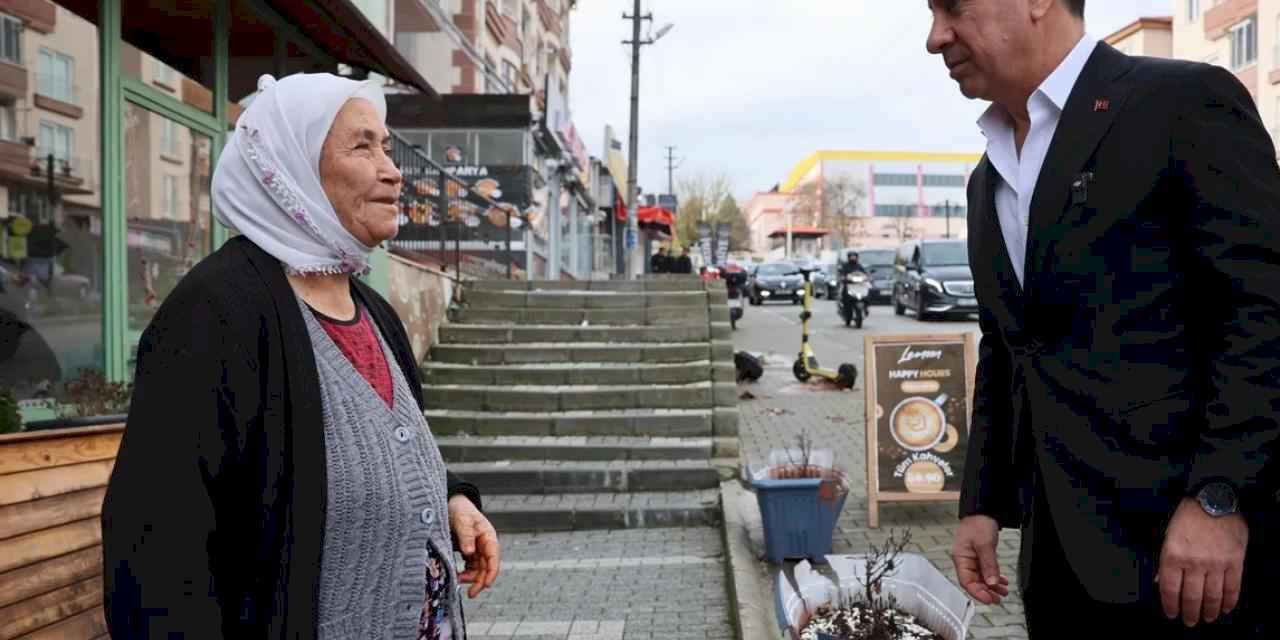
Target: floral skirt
x: 434, y: 623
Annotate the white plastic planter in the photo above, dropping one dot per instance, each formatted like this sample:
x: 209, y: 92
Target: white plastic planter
x: 920, y: 589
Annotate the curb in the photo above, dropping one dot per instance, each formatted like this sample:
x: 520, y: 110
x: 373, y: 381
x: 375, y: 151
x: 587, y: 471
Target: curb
x: 748, y: 579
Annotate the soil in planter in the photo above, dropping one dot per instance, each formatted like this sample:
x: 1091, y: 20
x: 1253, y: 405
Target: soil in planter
x: 855, y: 622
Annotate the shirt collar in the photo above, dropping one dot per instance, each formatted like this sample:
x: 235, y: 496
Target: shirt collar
x: 1057, y: 87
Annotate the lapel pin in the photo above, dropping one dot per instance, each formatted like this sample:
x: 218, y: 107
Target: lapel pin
x: 1101, y: 105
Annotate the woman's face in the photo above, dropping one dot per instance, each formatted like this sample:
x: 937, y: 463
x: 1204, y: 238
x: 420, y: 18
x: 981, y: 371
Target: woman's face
x: 358, y: 176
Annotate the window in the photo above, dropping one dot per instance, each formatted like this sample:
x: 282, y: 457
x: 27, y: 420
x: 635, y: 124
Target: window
x: 1244, y: 43
x: 936, y: 180
x: 1193, y: 10
x: 8, y: 121
x: 56, y: 139
x: 56, y: 77
x: 165, y: 75
x: 169, y: 138
x: 10, y: 39
x: 897, y: 210
x: 895, y: 179
x: 509, y: 73
x: 169, y: 197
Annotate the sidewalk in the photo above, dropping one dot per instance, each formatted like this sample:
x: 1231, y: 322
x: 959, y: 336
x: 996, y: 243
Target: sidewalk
x: 781, y: 410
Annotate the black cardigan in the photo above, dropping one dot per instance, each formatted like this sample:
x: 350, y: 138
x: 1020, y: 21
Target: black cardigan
x: 213, y: 520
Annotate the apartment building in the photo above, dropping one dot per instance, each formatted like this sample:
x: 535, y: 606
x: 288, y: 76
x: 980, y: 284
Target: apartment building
x: 1146, y: 36
x: 1241, y: 36
x: 487, y: 46
x: 880, y: 197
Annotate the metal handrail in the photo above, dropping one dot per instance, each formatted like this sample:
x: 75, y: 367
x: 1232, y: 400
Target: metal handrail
x: 436, y: 205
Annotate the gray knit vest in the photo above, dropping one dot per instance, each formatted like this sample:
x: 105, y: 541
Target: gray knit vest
x: 387, y: 500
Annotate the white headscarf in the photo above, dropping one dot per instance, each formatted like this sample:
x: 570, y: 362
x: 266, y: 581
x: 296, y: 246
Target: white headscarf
x: 267, y: 182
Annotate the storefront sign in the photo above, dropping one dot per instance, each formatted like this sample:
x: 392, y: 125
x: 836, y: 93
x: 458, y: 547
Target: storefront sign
x: 919, y: 396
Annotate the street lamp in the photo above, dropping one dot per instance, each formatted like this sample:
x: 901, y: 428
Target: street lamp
x: 634, y: 265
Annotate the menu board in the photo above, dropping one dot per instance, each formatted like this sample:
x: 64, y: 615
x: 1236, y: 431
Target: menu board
x: 919, y: 398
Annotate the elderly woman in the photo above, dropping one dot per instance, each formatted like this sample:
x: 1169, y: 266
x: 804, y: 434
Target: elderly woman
x: 277, y: 478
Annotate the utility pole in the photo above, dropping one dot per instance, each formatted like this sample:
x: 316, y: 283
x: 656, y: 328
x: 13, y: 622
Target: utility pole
x: 634, y: 266
x: 671, y: 170
x: 948, y: 219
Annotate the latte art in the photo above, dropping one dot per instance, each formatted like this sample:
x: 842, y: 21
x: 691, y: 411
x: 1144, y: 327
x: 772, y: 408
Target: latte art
x: 917, y: 424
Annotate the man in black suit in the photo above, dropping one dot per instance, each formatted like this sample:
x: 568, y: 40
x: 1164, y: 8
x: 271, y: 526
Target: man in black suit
x: 1125, y: 248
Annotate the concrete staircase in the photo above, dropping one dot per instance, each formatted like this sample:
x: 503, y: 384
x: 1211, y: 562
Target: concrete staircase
x: 588, y: 405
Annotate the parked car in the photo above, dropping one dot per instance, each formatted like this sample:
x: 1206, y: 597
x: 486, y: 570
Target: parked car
x: 932, y: 277
x: 879, y: 266
x: 776, y: 281
x: 818, y: 277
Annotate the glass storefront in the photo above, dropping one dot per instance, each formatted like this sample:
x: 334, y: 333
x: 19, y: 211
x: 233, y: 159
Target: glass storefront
x: 110, y: 127
x: 52, y: 283
x: 167, y: 207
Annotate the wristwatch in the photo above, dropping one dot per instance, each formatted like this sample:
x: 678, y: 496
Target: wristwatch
x: 1218, y: 499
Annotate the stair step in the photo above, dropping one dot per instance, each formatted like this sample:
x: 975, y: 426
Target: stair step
x: 557, y: 476
x: 634, y: 286
x: 472, y: 397
x: 435, y: 373
x: 578, y: 448
x: 562, y: 352
x: 648, y: 316
x: 534, y: 299
x: 721, y: 422
x: 535, y: 513
x: 510, y: 333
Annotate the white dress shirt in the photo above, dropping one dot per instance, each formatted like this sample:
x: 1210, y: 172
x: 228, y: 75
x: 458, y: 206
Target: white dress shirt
x: 1020, y: 174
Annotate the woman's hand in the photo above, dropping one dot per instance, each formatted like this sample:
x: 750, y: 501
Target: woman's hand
x: 478, y: 543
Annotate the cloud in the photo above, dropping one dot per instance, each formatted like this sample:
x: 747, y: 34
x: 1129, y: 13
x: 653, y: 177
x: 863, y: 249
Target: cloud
x: 750, y: 89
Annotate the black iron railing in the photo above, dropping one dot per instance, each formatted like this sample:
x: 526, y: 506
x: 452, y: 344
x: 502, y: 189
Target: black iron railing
x: 444, y: 219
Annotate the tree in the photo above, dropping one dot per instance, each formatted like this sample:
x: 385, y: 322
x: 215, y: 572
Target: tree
x: 842, y: 197
x: 740, y: 233
x: 700, y: 200
x: 905, y: 227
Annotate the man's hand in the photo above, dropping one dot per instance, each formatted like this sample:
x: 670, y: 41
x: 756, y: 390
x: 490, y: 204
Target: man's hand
x: 1201, y: 564
x: 478, y: 543
x: 974, y: 555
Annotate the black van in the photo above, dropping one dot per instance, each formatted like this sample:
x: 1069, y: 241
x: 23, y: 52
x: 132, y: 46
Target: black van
x: 932, y: 278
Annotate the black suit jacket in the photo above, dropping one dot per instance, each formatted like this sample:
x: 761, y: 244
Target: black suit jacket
x: 213, y: 520
x: 1142, y: 357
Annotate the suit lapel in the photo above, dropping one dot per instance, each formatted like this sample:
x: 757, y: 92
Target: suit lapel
x: 1087, y: 117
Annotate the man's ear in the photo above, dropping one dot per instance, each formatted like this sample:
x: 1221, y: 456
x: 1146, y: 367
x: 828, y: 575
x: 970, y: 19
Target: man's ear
x: 1040, y: 8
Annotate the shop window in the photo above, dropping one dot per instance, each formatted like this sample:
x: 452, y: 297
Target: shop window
x: 10, y: 39
x: 167, y: 211
x: 52, y: 283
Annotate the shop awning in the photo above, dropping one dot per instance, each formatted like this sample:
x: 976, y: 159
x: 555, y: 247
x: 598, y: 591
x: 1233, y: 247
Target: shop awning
x: 800, y: 232
x: 180, y: 33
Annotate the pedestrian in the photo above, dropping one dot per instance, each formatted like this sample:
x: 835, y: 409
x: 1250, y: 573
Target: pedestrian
x: 276, y: 478
x: 683, y: 264
x: 659, y: 262
x: 1125, y: 243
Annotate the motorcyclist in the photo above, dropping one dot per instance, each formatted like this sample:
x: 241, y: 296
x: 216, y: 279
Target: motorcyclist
x: 852, y: 265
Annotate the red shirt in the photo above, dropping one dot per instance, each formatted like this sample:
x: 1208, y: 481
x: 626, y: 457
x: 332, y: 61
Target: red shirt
x: 357, y: 341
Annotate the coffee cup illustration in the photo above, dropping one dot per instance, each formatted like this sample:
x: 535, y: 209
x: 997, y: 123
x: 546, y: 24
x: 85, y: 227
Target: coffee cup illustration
x: 918, y: 423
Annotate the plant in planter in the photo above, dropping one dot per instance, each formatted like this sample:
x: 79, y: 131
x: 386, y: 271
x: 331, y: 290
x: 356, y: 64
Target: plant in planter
x: 884, y: 594
x: 91, y: 395
x: 10, y: 419
x: 800, y: 494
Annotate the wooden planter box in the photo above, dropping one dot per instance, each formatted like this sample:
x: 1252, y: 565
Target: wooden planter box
x: 52, y: 483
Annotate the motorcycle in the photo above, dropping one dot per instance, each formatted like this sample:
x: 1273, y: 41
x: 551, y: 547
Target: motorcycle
x: 853, y: 298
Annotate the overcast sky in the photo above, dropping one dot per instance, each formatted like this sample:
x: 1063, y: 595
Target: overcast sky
x: 748, y: 89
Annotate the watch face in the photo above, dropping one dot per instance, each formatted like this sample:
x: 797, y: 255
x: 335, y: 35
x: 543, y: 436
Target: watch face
x: 1218, y: 498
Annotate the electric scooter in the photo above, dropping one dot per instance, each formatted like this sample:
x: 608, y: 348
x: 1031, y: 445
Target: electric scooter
x: 806, y: 365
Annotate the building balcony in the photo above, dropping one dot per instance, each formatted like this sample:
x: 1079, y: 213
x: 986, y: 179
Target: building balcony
x: 13, y: 80
x: 58, y: 97
x: 25, y: 164
x: 1219, y: 20
x: 40, y: 15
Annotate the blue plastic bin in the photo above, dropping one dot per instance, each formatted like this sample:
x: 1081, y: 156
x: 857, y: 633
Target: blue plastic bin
x: 798, y: 522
